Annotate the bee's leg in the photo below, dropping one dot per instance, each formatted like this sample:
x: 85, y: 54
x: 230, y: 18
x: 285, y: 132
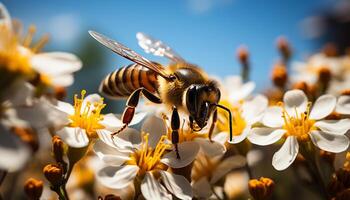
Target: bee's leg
x: 175, y: 125
x: 131, y: 104
x: 212, y: 126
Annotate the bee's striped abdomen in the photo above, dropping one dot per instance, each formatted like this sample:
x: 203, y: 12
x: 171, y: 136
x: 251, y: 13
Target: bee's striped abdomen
x: 123, y: 81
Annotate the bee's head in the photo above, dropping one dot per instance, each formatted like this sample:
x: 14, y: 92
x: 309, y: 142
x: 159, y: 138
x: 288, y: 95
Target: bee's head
x: 200, y: 101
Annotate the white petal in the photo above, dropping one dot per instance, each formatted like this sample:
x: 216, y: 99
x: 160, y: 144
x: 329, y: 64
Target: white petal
x: 65, y: 107
x: 155, y: 127
x: 227, y: 166
x: 221, y: 137
x: 273, y: 117
x: 42, y: 114
x: 14, y: 153
x: 285, y: 156
x: 253, y: 109
x: 74, y: 137
x: 111, y: 156
x: 328, y: 142
x: 56, y: 63
x: 335, y: 127
x: 254, y: 156
x: 177, y: 185
x: 242, y: 92
x: 151, y: 189
x: 323, y: 106
x: 111, y: 122
x: 131, y: 135
x: 239, y: 138
x: 64, y: 80
x: 138, y: 118
x: 5, y: 17
x: 211, y: 148
x: 265, y: 136
x: 202, y: 188
x: 343, y: 105
x: 188, y: 152
x: 117, y: 177
x: 22, y: 93
x: 122, y: 144
x: 295, y: 100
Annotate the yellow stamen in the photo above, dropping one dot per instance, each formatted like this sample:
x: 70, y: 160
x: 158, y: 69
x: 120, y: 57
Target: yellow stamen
x: 12, y: 58
x: 298, y: 125
x: 148, y: 159
x: 87, y: 116
x: 27, y: 40
x: 238, y: 122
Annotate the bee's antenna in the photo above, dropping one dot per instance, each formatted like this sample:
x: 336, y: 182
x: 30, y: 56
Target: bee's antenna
x: 229, y: 115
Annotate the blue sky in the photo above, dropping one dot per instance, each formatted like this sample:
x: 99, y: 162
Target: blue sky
x: 205, y: 32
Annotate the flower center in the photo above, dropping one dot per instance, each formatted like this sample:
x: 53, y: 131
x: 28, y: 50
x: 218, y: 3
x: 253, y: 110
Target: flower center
x: 148, y: 159
x: 87, y: 115
x: 298, y: 125
x: 238, y: 122
x: 12, y: 58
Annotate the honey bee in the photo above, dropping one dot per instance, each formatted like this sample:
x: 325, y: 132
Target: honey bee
x: 181, y: 86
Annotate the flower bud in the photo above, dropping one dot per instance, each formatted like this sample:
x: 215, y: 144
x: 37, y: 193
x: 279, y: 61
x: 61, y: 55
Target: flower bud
x: 324, y: 75
x: 60, y: 92
x: 58, y: 148
x: 330, y: 50
x: 284, y: 48
x: 54, y: 174
x: 33, y: 188
x: 279, y: 75
x: 346, y: 92
x: 242, y: 54
x: 261, y: 189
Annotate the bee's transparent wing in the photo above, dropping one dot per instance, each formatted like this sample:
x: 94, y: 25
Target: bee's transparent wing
x: 129, y: 54
x: 157, y: 47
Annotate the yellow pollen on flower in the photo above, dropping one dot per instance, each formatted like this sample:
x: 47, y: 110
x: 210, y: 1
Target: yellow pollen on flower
x: 238, y: 122
x: 299, y: 125
x: 87, y: 115
x: 12, y: 58
x: 148, y: 159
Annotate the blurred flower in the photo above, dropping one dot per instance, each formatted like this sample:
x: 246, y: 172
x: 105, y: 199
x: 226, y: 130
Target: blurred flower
x: 236, y: 185
x: 298, y: 122
x: 234, y: 90
x: 20, y: 55
x: 86, y: 120
x: 207, y: 171
x: 144, y: 160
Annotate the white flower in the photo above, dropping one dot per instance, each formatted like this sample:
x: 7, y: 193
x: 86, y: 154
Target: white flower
x: 207, y: 171
x: 234, y: 90
x: 146, y: 159
x: 55, y: 68
x: 244, y: 115
x: 298, y: 122
x: 86, y: 120
x: 308, y: 71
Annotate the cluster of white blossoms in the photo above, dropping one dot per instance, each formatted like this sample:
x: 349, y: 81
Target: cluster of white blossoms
x: 98, y: 155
